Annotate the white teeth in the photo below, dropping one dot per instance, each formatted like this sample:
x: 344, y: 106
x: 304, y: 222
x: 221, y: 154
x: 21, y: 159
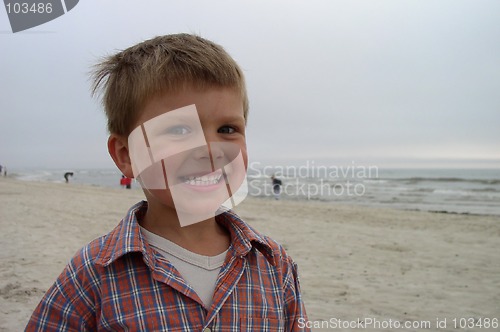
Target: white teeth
x: 204, y: 180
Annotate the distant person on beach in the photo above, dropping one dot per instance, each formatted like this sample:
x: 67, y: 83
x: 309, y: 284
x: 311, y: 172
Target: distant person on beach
x: 67, y: 175
x: 181, y: 261
x: 276, y: 187
x: 126, y: 182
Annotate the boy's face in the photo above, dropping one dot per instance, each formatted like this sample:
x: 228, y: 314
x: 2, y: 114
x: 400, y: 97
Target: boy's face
x: 188, y: 151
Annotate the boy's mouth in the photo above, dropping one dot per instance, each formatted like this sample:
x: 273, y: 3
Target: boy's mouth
x: 202, y: 180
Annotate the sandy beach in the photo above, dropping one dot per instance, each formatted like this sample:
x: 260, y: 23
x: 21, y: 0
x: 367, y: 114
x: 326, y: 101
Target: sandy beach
x: 354, y: 262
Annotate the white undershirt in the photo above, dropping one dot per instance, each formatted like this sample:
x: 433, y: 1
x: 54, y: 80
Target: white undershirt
x: 200, y: 272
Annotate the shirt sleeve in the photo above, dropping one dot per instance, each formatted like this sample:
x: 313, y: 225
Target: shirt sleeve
x: 68, y: 304
x: 295, y: 315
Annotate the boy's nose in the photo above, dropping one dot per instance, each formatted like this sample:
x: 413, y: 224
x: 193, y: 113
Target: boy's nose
x: 212, y: 139
x: 201, y: 152
x: 216, y: 150
x: 210, y: 151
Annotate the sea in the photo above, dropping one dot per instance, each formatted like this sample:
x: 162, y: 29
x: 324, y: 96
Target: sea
x: 461, y: 191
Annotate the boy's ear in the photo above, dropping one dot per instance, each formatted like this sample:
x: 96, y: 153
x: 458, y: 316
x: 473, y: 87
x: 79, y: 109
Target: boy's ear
x: 118, y: 149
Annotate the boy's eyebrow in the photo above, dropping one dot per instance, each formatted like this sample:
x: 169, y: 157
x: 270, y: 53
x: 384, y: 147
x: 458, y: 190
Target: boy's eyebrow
x: 232, y: 118
x: 180, y: 116
x: 177, y: 114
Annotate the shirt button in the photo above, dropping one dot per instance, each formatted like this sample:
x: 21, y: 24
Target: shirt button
x: 207, y: 329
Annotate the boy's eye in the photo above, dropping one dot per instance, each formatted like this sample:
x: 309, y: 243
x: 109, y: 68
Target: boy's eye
x: 178, y: 130
x: 226, y: 130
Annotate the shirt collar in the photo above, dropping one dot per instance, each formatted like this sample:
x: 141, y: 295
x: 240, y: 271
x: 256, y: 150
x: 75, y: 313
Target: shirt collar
x: 244, y: 237
x: 127, y: 238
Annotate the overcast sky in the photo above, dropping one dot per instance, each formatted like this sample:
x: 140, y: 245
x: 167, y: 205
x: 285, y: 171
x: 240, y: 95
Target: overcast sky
x: 389, y: 83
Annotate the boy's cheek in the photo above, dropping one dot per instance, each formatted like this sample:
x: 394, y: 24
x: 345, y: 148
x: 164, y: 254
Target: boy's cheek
x: 153, y: 177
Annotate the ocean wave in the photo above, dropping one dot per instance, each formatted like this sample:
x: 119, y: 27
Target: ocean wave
x: 452, y: 192
x: 485, y: 190
x: 447, y: 179
x: 35, y: 176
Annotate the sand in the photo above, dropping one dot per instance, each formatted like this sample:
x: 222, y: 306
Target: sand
x: 354, y: 262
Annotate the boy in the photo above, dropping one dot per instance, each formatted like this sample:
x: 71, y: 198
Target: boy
x: 177, y: 109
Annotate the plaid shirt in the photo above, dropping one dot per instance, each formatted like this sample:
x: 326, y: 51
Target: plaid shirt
x: 119, y: 283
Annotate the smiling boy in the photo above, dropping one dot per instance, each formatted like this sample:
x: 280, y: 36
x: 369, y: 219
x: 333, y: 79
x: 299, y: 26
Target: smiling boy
x: 177, y: 109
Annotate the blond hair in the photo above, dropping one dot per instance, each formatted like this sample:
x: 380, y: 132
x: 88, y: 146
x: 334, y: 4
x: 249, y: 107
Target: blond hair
x: 165, y: 64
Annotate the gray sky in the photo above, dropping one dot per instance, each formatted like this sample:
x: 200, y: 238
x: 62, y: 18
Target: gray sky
x: 388, y: 83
